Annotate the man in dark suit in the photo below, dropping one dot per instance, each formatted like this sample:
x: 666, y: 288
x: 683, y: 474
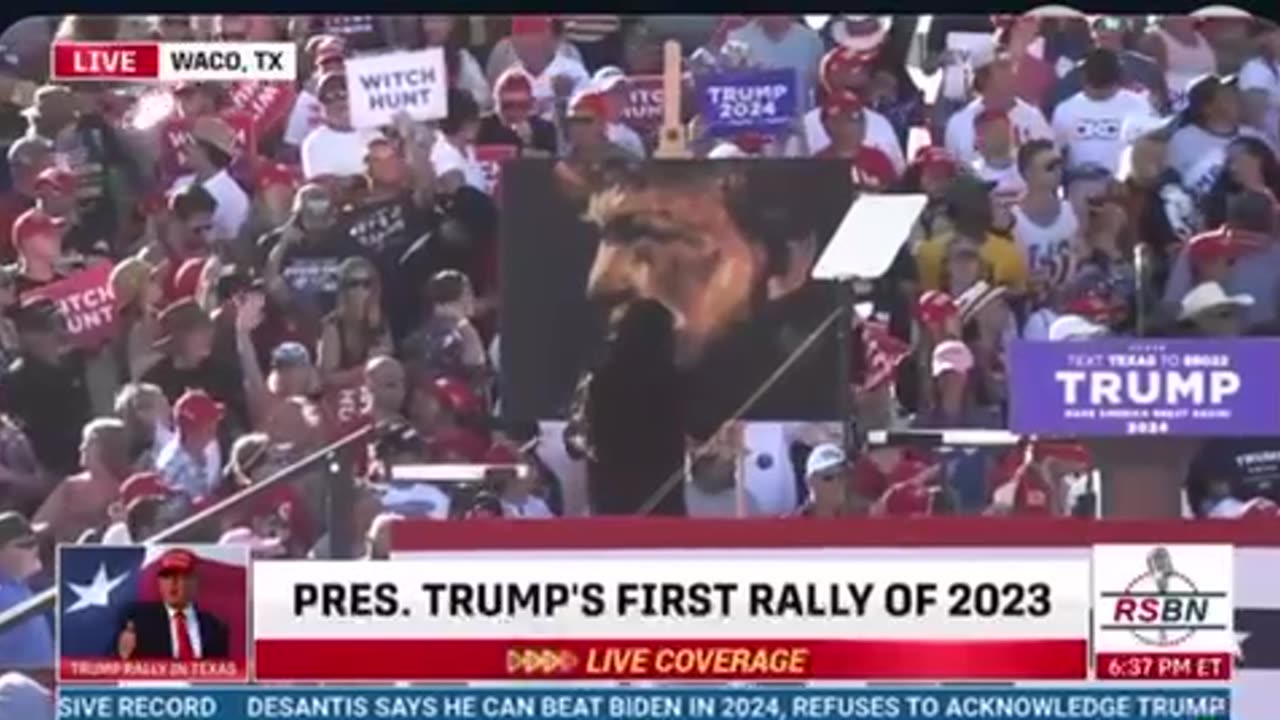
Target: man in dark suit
x: 173, y: 628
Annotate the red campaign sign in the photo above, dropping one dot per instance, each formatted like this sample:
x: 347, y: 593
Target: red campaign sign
x: 490, y: 158
x: 176, y: 133
x: 347, y: 408
x: 267, y: 103
x: 86, y: 302
x: 644, y: 102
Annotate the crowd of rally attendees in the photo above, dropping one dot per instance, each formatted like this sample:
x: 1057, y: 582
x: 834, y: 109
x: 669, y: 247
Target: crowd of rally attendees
x: 1086, y: 177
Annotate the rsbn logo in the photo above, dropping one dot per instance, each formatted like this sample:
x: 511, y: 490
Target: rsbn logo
x: 1162, y: 607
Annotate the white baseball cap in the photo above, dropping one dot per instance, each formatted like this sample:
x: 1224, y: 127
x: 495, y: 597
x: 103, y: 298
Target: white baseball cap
x: 824, y: 458
x: 1075, y: 327
x: 952, y: 356
x: 607, y: 78
x: 1209, y: 296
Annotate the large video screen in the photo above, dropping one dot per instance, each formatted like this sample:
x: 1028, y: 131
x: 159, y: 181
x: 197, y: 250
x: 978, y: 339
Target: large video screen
x: 722, y: 247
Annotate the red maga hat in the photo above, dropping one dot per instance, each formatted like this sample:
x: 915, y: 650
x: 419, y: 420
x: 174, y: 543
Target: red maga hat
x: 935, y: 307
x: 60, y: 180
x: 197, y: 409
x: 531, y: 24
x: 143, y: 484
x: 178, y: 562
x: 34, y: 223
x: 1218, y: 244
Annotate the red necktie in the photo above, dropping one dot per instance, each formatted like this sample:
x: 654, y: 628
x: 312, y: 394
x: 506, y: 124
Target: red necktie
x: 185, y: 651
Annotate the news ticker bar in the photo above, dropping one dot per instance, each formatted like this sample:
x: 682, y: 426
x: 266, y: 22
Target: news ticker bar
x: 174, y: 61
x: 249, y: 703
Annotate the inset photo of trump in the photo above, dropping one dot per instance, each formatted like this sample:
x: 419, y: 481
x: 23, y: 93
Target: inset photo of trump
x: 153, y: 613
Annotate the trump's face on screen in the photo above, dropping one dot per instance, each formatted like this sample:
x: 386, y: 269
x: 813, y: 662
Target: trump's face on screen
x: 177, y: 579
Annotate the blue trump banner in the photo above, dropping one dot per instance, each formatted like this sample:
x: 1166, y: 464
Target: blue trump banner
x: 548, y: 703
x: 762, y: 101
x: 1117, y: 386
x: 153, y: 612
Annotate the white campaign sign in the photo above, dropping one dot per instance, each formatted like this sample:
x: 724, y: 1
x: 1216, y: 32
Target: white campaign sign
x: 383, y: 86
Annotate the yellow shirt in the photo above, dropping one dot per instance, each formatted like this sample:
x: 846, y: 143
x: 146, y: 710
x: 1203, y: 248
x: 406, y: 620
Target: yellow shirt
x: 1004, y: 259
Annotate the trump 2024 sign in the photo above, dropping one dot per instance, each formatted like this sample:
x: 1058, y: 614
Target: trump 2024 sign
x: 1130, y: 386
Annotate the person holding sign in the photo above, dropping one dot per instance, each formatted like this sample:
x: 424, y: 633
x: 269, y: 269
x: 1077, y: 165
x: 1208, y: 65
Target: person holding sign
x: 453, y: 155
x: 335, y: 151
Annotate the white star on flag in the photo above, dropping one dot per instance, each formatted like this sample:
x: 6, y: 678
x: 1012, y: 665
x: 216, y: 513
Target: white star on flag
x: 1240, y: 638
x: 96, y: 593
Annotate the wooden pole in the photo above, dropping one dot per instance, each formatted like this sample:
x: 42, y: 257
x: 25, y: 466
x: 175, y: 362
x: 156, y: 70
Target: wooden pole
x: 672, y: 140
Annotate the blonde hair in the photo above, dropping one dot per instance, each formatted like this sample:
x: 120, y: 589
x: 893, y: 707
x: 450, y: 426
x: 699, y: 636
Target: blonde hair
x: 112, y: 438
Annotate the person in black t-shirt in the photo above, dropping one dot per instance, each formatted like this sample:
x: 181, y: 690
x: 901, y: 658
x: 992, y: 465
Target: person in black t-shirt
x: 189, y: 363
x: 45, y: 390
x: 301, y: 271
x: 513, y: 121
x: 394, y: 221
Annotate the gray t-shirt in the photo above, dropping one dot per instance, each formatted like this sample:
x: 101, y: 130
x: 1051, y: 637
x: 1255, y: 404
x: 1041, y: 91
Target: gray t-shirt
x: 1198, y: 155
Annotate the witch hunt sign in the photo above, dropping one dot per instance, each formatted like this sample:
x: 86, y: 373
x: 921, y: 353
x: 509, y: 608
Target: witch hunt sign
x: 383, y: 86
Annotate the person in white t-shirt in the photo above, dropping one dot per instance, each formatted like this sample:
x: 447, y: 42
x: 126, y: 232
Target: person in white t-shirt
x: 1089, y: 125
x: 997, y: 160
x: 556, y: 77
x: 307, y: 113
x: 453, y: 155
x: 994, y: 81
x: 1212, y: 120
x: 212, y: 149
x: 335, y: 149
x: 1260, y: 81
x: 1045, y: 224
x: 612, y: 83
x: 843, y: 70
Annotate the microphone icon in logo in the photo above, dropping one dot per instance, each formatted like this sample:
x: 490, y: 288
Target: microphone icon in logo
x: 1160, y: 565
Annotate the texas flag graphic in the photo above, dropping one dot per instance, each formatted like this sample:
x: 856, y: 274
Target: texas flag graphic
x: 153, y: 613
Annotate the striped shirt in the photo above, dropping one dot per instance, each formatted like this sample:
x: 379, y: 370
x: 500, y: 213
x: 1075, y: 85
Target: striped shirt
x: 586, y: 29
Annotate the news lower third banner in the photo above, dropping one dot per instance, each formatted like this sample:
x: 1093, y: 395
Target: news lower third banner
x: 1126, y: 386
x: 729, y: 615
